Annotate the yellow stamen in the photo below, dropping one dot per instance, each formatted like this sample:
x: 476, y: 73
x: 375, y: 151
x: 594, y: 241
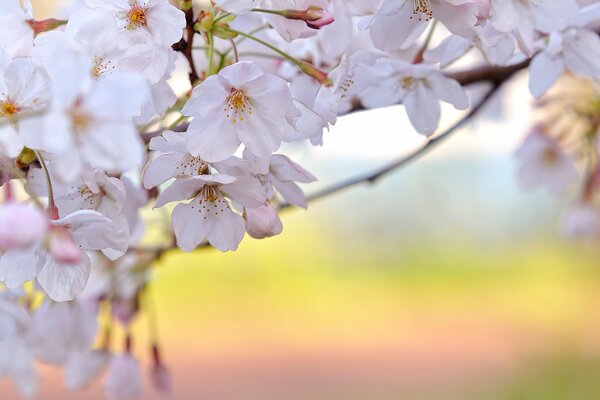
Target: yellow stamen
x: 238, y: 104
x: 136, y: 16
x: 8, y: 108
x: 422, y: 10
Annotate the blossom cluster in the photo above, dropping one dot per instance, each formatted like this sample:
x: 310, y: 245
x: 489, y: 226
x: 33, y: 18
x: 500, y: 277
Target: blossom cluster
x: 97, y: 131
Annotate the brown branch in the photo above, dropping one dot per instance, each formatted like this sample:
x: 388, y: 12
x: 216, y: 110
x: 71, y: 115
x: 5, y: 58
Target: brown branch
x: 376, y: 175
x: 186, y: 46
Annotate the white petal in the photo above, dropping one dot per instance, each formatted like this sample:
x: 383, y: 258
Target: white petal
x: 544, y: 71
x: 190, y: 226
x: 63, y: 282
x: 20, y: 265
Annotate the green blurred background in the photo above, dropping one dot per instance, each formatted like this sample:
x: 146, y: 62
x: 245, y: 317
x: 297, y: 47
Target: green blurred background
x: 442, y: 282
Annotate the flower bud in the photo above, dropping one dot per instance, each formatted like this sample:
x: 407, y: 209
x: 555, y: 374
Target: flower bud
x: 263, y: 221
x: 315, y: 17
x: 124, y: 379
x: 159, y: 373
x: 21, y: 225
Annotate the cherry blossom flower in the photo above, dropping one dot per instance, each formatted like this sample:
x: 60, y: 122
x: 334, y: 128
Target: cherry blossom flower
x: 16, y: 355
x: 497, y: 47
x: 241, y: 104
x: 21, y: 226
x: 91, y: 120
x: 60, y: 265
x: 398, y: 24
x: 82, y: 367
x: 157, y: 17
x: 581, y: 221
x: 16, y: 34
x: 576, y: 49
x: 419, y: 87
x: 543, y: 163
x: 524, y: 18
x: 209, y: 215
x: 62, y: 329
x: 172, y: 160
x: 124, y: 380
x: 23, y: 92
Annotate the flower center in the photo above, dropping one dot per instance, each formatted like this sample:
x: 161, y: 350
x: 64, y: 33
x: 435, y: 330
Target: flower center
x: 100, y: 67
x: 8, y: 108
x: 422, y: 10
x: 136, y: 16
x: 90, y: 199
x: 549, y: 157
x: 238, y: 104
x: 211, y: 201
x: 80, y: 120
x: 191, y: 166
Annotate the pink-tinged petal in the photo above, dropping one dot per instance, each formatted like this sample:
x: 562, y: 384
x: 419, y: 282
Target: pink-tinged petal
x: 208, y: 98
x: 423, y: 109
x: 241, y: 72
x: 270, y: 92
x: 287, y: 170
x: 449, y: 90
x: 246, y: 190
x: 161, y: 169
x: 20, y: 265
x: 82, y: 368
x: 180, y: 189
x: 458, y: 18
x: 190, y: 226
x: 449, y: 50
x: 62, y: 281
x: 166, y: 23
x: 290, y: 192
x: 186, y: 188
x: 124, y: 380
x: 262, y: 133
x: 396, y: 31
x: 93, y: 231
x: 544, y: 71
x: 263, y: 221
x: 212, y: 139
x: 173, y: 142
x: 228, y: 231
x: 27, y: 83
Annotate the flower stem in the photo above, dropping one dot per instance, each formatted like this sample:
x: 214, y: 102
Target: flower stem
x: 236, y: 56
x: 305, y: 67
x: 52, y: 209
x: 211, y: 52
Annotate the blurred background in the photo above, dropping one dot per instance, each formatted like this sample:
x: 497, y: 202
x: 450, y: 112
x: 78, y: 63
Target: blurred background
x: 443, y: 281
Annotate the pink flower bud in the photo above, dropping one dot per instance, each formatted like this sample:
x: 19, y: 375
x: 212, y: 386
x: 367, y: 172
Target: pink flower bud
x: 318, y: 17
x: 62, y: 247
x: 315, y: 17
x: 159, y: 374
x: 21, y: 225
x: 263, y: 221
x: 124, y: 379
